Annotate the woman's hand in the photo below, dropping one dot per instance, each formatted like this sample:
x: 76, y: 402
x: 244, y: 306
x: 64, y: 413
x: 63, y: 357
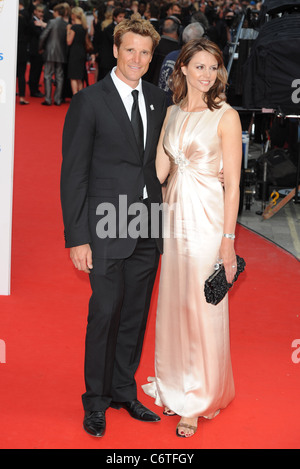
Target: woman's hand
x: 230, y: 132
x: 227, y: 254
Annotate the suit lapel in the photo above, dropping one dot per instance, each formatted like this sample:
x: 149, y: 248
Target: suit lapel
x: 115, y: 104
x: 150, y: 119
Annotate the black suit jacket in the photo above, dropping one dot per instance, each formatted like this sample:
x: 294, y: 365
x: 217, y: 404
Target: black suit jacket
x: 106, y: 56
x: 101, y: 161
x: 165, y: 46
x: 35, y: 33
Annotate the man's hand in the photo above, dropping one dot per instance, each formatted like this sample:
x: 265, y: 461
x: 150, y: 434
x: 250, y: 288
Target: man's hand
x: 81, y: 257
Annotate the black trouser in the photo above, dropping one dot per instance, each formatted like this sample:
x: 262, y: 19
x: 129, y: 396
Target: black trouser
x: 21, y: 70
x: 118, y: 311
x: 36, y: 67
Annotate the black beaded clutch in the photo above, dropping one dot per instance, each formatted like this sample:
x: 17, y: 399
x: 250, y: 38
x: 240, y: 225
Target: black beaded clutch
x: 216, y: 286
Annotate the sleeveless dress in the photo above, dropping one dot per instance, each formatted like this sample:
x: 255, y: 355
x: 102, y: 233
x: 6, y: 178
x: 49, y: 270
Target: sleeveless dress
x: 77, y: 54
x: 193, y: 372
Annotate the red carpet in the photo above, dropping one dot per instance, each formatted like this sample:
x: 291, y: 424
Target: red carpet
x: 43, y: 325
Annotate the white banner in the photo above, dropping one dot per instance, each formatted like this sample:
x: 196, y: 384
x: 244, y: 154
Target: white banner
x: 8, y: 57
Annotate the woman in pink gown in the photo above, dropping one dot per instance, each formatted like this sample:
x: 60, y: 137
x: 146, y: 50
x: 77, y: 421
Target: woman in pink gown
x: 201, y: 135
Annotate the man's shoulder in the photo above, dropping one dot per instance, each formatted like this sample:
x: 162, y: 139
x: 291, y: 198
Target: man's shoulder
x: 56, y: 23
x: 93, y: 95
x: 153, y: 89
x: 92, y: 90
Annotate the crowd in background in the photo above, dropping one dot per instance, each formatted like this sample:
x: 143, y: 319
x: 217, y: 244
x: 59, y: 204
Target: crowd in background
x: 67, y: 39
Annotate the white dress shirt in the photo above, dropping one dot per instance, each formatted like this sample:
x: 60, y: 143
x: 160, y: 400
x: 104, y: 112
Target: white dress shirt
x: 127, y: 99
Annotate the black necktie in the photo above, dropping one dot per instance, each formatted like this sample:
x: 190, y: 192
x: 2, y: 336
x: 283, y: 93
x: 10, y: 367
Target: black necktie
x: 137, y: 122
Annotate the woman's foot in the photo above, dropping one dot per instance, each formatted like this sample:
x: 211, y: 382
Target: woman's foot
x: 23, y: 101
x: 187, y: 427
x: 168, y: 412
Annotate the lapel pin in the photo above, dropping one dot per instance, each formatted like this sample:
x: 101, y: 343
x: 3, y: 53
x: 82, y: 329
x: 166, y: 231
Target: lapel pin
x: 151, y: 107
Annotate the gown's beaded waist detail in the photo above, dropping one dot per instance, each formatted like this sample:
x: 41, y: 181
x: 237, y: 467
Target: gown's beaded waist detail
x: 181, y: 161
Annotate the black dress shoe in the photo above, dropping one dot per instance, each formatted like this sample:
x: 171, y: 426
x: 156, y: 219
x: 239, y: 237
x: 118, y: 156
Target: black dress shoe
x: 137, y: 410
x: 44, y: 103
x: 38, y: 94
x: 94, y: 423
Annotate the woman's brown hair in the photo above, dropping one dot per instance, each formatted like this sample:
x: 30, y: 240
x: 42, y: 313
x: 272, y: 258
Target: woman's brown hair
x: 177, y: 83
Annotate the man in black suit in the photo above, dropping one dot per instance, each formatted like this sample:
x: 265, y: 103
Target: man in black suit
x: 168, y: 43
x: 104, y: 44
x: 36, y: 27
x: 108, y: 169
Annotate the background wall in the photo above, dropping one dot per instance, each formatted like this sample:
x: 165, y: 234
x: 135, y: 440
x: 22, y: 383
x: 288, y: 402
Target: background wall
x: 8, y: 53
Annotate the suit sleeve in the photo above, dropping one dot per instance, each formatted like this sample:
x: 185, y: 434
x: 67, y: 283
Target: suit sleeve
x: 77, y: 149
x: 44, y: 36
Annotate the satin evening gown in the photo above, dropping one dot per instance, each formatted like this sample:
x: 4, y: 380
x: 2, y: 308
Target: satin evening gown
x: 193, y: 372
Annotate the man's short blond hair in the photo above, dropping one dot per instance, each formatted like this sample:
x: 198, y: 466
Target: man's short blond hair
x: 136, y: 25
